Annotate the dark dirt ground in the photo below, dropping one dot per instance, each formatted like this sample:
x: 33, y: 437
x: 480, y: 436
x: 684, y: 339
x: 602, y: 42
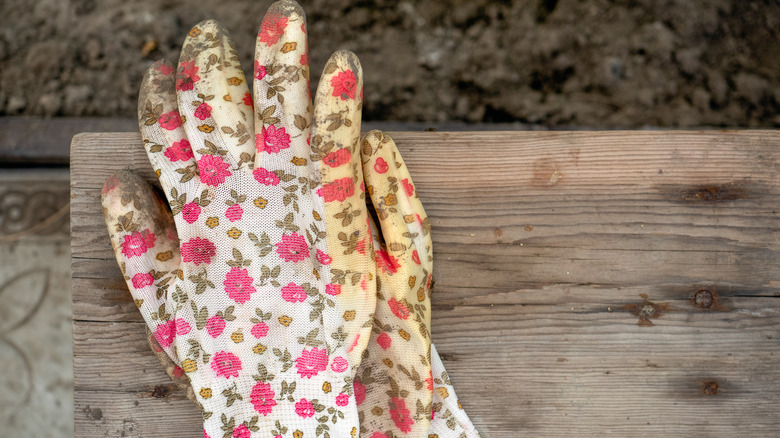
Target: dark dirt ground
x: 574, y: 63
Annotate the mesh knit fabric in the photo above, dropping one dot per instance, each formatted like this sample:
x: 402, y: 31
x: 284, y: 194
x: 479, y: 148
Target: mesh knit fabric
x: 394, y: 377
x: 258, y: 278
x: 259, y: 289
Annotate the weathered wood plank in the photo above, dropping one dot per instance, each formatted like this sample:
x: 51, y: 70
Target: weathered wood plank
x: 543, y: 244
x: 31, y: 141
x: 110, y: 414
x: 553, y: 368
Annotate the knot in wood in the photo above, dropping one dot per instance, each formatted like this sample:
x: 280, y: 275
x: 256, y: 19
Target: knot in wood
x: 711, y: 388
x: 647, y: 311
x: 703, y: 298
x: 160, y: 391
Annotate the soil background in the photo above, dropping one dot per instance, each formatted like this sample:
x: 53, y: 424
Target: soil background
x: 574, y: 63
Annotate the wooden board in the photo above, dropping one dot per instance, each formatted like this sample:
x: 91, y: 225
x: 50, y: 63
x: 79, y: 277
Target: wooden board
x: 588, y: 284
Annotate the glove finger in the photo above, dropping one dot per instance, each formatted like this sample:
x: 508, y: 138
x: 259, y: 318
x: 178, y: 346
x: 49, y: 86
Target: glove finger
x: 214, y: 98
x: 449, y: 418
x: 405, y: 226
x: 146, y: 246
x: 394, y: 377
x: 334, y: 153
x: 281, y: 90
x: 159, y: 120
x: 336, y: 132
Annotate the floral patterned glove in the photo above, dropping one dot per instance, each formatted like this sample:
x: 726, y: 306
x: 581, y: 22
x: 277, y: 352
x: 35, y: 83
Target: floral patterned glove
x: 262, y: 287
x: 400, y: 369
x: 385, y: 387
x: 449, y: 419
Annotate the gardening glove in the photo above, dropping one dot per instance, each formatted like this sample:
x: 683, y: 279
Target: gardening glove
x: 395, y: 383
x: 449, y: 419
x: 264, y: 289
x: 395, y: 376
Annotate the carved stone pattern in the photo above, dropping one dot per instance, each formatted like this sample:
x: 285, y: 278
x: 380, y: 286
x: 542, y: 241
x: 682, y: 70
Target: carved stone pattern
x: 21, y: 209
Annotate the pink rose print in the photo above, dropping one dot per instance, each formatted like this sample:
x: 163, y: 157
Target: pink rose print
x: 408, y: 186
x: 198, y: 250
x: 234, y: 212
x: 110, y: 184
x: 265, y: 176
x: 388, y: 263
x: 215, y: 325
x: 292, y: 248
x: 137, y: 243
x: 167, y: 331
x: 342, y: 399
x: 400, y: 414
x: 354, y: 344
x: 305, y: 59
x: 398, y: 308
x: 262, y: 398
x: 312, y: 362
x: 416, y: 257
x: 336, y: 159
x: 205, y: 434
x: 203, y: 111
x: 238, y: 285
x: 292, y: 293
x: 304, y: 408
x: 339, y: 364
x: 429, y: 382
x: 165, y: 69
x: 323, y: 258
x: 361, y: 245
x: 259, y: 330
x: 344, y: 85
x: 381, y: 165
x: 142, y: 280
x: 171, y: 233
x: 360, y: 392
x: 338, y: 190
x: 187, y: 76
x: 170, y: 121
x: 384, y: 340
x: 260, y: 71
x: 248, y: 100
x: 378, y: 435
x: 333, y: 289
x: 182, y: 327
x: 190, y: 212
x: 242, y: 432
x: 272, y: 140
x: 225, y: 364
x: 272, y: 29
x: 179, y: 151
x: 213, y: 170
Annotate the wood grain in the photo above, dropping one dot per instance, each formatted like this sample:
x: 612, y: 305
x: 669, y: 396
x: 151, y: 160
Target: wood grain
x: 588, y: 284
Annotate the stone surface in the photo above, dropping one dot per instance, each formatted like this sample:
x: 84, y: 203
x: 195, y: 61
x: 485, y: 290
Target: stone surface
x: 36, y: 352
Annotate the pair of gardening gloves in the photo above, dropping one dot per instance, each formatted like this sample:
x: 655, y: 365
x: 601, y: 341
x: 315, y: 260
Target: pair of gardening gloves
x: 269, y: 291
